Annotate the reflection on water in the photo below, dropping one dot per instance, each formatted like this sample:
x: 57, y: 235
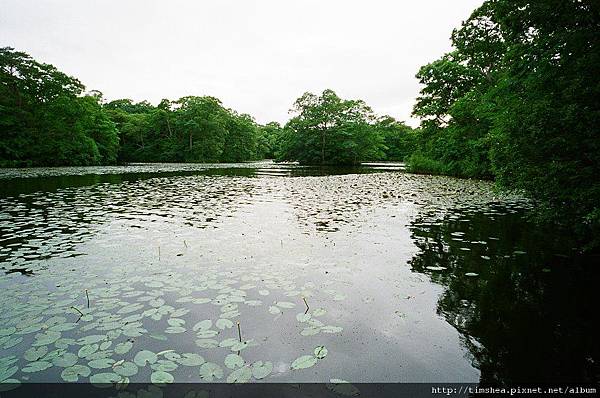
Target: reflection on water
x: 174, y: 255
x: 522, y: 298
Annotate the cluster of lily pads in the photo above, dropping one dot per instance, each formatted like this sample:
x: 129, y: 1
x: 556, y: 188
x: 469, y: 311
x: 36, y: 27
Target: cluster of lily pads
x: 176, y: 320
x: 100, y: 325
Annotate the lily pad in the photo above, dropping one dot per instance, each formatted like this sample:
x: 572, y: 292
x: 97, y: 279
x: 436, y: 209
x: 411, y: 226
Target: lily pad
x: 95, y: 338
x: 207, y: 343
x: 206, y: 334
x: 46, y: 338
x: 202, y: 325
x: 34, y: 354
x: 160, y: 377
x: 274, y: 310
x: 210, y: 371
x: 285, y: 304
x: 241, y: 375
x: 303, y: 362
x: 302, y: 317
x: 87, y: 350
x: 319, y: 312
x: 224, y: 324
x: 66, y: 360
x: 320, y: 352
x: 36, y: 366
x: 190, y: 359
x: 8, y: 372
x: 73, y: 373
x: 331, y: 329
x: 123, y: 348
x: 102, y: 363
x: 144, y: 357
x: 126, y: 369
x: 261, y: 369
x: 239, y: 346
x: 165, y: 365
x: 234, y: 361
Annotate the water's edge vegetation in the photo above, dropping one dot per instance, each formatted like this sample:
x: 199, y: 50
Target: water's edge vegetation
x: 516, y: 101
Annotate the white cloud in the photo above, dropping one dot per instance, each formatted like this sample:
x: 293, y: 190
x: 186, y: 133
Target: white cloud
x: 257, y: 56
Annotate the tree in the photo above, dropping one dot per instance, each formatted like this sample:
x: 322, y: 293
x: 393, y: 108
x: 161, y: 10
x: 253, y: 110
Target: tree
x: 330, y: 130
x: 46, y: 120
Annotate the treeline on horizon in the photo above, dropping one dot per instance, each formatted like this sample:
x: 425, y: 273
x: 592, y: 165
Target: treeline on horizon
x: 517, y: 100
x: 47, y: 119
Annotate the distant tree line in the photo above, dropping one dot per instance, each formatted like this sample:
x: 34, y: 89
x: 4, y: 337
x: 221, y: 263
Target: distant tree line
x: 47, y: 119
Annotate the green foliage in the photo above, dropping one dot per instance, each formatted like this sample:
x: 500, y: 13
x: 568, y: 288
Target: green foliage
x: 519, y: 101
x: 399, y: 139
x: 45, y: 120
x: 330, y: 130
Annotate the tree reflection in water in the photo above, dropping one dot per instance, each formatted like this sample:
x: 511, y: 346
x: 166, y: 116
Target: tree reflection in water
x: 523, y: 300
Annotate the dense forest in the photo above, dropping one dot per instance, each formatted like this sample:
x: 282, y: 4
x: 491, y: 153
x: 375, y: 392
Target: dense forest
x: 47, y: 119
x: 517, y: 100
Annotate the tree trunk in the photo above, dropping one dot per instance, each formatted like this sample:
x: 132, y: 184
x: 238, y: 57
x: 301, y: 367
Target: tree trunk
x: 323, y: 147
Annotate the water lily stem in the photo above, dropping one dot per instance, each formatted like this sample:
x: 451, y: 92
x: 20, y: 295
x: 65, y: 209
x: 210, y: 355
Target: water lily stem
x: 305, y: 303
x: 239, y: 334
x: 88, y: 297
x: 158, y: 253
x: 185, y: 244
x: 77, y: 309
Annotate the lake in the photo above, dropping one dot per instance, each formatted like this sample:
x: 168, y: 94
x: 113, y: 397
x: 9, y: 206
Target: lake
x: 141, y: 273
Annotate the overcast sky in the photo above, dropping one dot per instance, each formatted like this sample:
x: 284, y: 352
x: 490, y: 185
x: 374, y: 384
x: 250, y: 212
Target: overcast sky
x: 256, y: 56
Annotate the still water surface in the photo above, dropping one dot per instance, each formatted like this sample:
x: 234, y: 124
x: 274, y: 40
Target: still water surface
x: 140, y: 273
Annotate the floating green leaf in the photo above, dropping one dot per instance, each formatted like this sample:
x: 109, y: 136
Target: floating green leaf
x: 73, y: 373
x: 285, y: 304
x: 320, y: 352
x: 126, y: 369
x: 274, y: 310
x: 261, y: 369
x: 242, y: 375
x: 233, y: 361
x: 34, y: 354
x: 36, y: 366
x: 95, y: 338
x: 210, y: 371
x: 319, y: 312
x: 87, y: 350
x: 331, y: 329
x: 101, y: 363
x: 206, y: 334
x: 7, y: 372
x: 207, y: 343
x: 302, y: 317
x: 164, y: 365
x: 46, y: 338
x: 144, y: 357
x: 123, y: 348
x: 67, y: 359
x: 224, y: 324
x: 303, y: 362
x: 159, y: 377
x: 202, y: 325
x: 190, y: 359
x: 240, y: 345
